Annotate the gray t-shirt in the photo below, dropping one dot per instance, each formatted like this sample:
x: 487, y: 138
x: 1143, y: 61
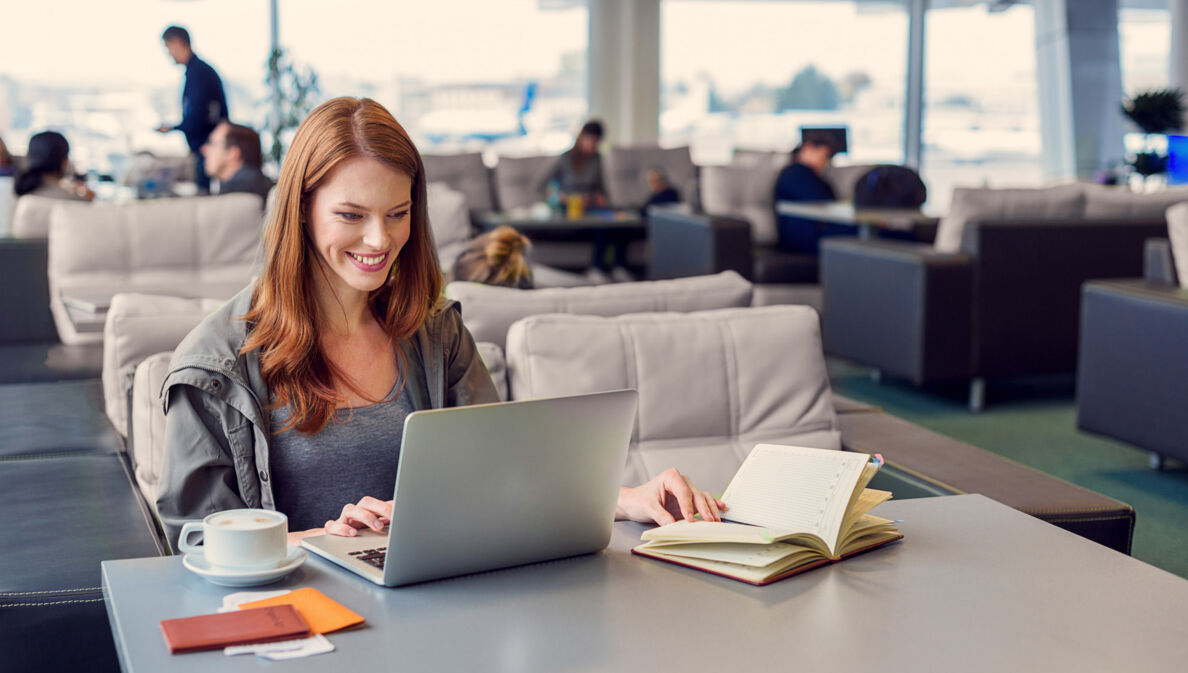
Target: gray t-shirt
x: 354, y: 456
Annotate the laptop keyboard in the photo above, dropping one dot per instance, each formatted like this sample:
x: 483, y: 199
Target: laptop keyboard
x: 374, y: 557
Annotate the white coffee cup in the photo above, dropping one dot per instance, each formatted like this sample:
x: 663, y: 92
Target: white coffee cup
x: 239, y: 539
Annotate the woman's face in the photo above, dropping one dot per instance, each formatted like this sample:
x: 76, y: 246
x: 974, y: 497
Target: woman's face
x: 359, y: 220
x: 588, y: 144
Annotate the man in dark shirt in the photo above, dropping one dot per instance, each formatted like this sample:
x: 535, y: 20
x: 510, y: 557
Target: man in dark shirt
x: 801, y: 181
x: 204, y: 104
x: 233, y: 157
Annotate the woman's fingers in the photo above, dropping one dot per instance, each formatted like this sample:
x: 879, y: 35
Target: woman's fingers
x: 715, y: 514
x: 660, y: 515
x: 675, y: 484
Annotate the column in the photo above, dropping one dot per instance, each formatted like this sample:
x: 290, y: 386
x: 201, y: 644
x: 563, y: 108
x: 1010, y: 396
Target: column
x: 623, y: 72
x: 1178, y: 55
x: 913, y: 118
x: 1080, y: 85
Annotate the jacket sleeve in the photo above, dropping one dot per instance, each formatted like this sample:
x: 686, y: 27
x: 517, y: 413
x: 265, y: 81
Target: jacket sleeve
x: 466, y: 377
x: 198, y: 474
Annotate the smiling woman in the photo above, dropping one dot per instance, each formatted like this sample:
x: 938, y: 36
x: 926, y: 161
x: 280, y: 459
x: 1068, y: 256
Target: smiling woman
x: 293, y: 395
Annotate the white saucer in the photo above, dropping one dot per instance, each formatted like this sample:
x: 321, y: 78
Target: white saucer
x: 197, y: 564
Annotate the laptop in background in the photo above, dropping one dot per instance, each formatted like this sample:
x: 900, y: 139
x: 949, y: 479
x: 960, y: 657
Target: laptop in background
x: 496, y: 485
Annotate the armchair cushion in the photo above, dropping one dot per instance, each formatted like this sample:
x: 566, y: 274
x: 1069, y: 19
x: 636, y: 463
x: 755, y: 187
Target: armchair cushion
x: 489, y: 311
x: 711, y: 384
x: 137, y: 326
x: 1119, y: 203
x: 745, y: 192
x: 1063, y: 202
x: 193, y: 247
x: 147, y: 442
x: 449, y: 218
x: 492, y: 356
x: 517, y: 180
x: 31, y: 215
x: 465, y: 173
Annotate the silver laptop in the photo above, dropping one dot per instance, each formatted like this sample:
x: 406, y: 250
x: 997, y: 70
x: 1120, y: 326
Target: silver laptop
x: 496, y: 485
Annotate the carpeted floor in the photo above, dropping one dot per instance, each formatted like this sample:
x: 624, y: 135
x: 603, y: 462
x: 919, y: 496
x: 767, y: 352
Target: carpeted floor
x: 1034, y: 422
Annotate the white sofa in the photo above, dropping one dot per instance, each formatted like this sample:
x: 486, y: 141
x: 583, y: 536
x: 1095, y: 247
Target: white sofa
x: 711, y: 384
x: 31, y: 216
x: 191, y: 247
x: 489, y: 311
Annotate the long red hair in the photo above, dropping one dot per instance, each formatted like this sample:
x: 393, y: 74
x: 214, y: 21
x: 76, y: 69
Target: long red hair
x: 285, y: 316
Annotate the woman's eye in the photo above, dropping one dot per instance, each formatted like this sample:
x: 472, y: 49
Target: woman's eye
x: 350, y: 217
x: 398, y: 215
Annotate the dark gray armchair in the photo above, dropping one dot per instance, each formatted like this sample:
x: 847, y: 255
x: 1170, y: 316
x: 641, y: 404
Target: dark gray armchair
x: 1132, y: 376
x: 1006, y: 305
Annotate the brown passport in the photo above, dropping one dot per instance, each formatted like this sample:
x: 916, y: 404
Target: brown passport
x: 238, y: 627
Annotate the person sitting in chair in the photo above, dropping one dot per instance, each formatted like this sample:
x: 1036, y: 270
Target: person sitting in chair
x: 801, y: 181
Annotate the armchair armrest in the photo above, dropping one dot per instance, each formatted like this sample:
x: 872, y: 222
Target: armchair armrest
x: 1158, y: 266
x: 901, y: 307
x: 1133, y: 364
x: 687, y: 244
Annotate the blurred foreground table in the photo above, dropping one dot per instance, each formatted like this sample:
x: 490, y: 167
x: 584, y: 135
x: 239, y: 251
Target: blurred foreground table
x: 974, y: 586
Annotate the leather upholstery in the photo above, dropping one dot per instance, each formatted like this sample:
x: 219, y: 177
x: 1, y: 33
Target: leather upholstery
x: 711, y: 384
x: 686, y: 244
x: 137, y: 326
x: 1158, y: 265
x: 957, y: 467
x: 1104, y: 203
x: 745, y: 192
x: 195, y: 247
x: 1006, y: 306
x: 464, y: 173
x: 45, y: 361
x: 1063, y: 202
x: 55, y: 418
x: 489, y: 311
x: 1133, y: 368
x: 24, y: 294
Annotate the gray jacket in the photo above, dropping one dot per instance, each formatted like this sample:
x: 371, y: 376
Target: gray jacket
x: 217, y: 431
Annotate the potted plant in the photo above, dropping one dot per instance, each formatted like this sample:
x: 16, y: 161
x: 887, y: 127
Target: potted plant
x: 1155, y: 112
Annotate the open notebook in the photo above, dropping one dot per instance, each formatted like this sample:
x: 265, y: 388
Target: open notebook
x: 790, y: 509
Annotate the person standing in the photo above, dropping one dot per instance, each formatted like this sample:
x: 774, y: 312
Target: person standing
x: 204, y: 104
x: 232, y: 156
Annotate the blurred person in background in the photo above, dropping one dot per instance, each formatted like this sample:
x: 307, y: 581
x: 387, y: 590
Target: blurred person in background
x: 801, y: 181
x: 7, y: 167
x: 47, y: 165
x: 659, y: 191
x: 232, y: 156
x: 498, y: 257
x: 204, y: 104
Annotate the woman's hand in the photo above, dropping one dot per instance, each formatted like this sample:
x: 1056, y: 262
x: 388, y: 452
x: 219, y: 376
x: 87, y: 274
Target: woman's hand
x: 295, y: 536
x: 665, y: 498
x: 368, y: 513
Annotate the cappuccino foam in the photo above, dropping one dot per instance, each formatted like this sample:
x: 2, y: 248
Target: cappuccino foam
x: 244, y: 521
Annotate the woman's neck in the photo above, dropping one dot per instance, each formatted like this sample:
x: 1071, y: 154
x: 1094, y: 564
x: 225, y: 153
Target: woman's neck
x: 343, y: 311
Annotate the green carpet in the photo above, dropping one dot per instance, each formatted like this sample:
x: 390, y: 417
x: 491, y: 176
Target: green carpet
x: 1034, y: 423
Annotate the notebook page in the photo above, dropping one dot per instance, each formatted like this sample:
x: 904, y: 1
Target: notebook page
x: 794, y: 488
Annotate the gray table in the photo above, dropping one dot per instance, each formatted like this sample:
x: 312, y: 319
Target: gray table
x: 865, y: 219
x: 974, y: 586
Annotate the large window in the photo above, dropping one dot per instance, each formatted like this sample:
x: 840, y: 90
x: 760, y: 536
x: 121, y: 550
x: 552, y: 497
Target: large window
x: 1144, y: 37
x: 748, y: 75
x: 506, y: 76
x: 981, y: 111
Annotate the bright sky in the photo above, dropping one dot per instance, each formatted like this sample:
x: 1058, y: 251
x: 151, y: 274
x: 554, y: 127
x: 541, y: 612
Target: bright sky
x: 85, y: 41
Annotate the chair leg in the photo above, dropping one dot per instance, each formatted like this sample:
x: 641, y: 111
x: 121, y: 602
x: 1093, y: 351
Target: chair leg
x: 1155, y: 461
x: 977, y: 395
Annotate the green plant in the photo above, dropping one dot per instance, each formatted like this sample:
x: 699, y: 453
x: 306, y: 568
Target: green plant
x: 293, y: 93
x: 1156, y: 110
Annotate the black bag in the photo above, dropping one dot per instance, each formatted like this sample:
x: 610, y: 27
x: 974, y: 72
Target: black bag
x: 890, y: 187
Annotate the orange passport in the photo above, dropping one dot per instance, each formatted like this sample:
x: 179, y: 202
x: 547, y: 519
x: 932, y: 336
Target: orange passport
x: 322, y: 613
x: 241, y: 627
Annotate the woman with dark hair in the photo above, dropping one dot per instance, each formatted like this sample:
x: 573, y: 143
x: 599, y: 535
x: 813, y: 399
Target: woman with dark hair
x: 46, y: 164
x: 498, y: 257
x: 293, y: 395
x: 578, y: 172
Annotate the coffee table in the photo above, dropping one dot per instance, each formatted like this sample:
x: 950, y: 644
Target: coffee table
x: 974, y: 586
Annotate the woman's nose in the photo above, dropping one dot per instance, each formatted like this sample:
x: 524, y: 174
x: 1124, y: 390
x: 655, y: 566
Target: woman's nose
x: 376, y: 235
